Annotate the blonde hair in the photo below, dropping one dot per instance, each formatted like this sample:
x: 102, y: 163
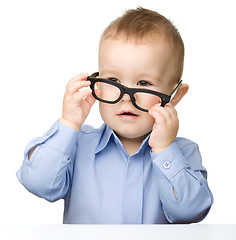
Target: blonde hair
x: 143, y: 24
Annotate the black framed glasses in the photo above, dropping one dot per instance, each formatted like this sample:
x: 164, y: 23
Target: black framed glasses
x: 108, y: 91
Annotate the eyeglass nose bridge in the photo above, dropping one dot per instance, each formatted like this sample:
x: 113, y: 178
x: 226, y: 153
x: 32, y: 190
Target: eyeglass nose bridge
x: 130, y: 92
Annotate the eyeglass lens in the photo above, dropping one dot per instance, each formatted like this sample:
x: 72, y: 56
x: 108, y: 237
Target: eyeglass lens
x: 146, y: 100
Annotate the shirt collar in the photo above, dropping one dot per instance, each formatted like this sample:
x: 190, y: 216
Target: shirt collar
x: 109, y: 133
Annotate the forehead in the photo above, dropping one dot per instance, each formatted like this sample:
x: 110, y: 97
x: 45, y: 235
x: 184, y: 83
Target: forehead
x: 120, y: 42
x: 120, y: 54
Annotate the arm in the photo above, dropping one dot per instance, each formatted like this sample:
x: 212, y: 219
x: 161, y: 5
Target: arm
x: 75, y: 107
x: 48, y: 164
x: 48, y: 171
x: 31, y: 152
x: 184, y: 191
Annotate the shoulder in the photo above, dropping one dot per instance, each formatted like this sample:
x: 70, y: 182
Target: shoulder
x: 184, y: 143
x: 190, y: 151
x: 88, y: 131
x: 187, y: 147
x: 90, y: 137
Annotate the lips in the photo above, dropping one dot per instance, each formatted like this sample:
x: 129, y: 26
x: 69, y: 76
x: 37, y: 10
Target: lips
x: 127, y: 113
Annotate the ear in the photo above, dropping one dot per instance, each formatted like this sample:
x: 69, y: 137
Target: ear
x: 183, y: 89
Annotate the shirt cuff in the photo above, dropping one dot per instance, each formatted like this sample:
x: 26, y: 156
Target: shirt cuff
x: 60, y: 137
x: 170, y: 161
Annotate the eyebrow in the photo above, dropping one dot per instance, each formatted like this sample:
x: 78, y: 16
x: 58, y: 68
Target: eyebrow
x: 152, y: 76
x: 141, y: 75
x: 108, y: 71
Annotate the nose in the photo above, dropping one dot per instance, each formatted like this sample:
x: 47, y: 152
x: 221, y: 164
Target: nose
x: 126, y: 97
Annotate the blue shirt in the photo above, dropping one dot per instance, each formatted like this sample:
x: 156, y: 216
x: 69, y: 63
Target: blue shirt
x: 101, y: 183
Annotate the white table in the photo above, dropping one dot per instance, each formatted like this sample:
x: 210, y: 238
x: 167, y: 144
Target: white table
x: 121, y: 232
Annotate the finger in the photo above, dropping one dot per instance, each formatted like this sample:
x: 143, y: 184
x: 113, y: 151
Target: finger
x: 171, y: 110
x: 79, y: 77
x: 76, y: 86
x: 161, y: 110
x: 90, y: 99
x: 157, y: 115
x: 79, y: 96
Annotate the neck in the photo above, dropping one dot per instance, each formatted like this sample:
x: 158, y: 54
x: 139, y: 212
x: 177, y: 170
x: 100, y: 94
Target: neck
x: 131, y: 145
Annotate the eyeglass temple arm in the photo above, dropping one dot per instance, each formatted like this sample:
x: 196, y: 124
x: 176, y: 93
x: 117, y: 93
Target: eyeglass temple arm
x: 175, y: 90
x: 94, y: 74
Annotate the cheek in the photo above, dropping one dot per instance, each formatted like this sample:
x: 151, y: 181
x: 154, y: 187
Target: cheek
x: 149, y: 122
x: 105, y: 109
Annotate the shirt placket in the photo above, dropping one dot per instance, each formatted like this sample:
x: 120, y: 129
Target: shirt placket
x: 133, y: 191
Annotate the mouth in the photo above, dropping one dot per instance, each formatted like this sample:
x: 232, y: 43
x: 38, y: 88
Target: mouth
x: 127, y: 115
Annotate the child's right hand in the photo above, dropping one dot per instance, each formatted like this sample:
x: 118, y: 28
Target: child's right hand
x: 77, y: 102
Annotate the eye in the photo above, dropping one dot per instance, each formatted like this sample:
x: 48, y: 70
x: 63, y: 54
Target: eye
x: 144, y: 83
x: 114, y: 79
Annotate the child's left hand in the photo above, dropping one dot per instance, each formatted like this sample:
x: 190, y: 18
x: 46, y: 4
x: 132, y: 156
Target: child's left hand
x: 165, y: 128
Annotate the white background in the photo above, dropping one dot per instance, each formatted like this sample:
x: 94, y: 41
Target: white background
x: 45, y: 43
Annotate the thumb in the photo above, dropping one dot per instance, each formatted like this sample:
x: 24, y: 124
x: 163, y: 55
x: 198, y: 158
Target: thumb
x: 90, y: 100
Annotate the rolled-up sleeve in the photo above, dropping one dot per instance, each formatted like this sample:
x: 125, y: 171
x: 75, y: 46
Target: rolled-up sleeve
x: 48, y: 172
x: 184, y: 191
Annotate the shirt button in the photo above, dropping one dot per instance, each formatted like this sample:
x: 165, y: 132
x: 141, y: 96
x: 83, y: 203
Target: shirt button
x: 166, y: 165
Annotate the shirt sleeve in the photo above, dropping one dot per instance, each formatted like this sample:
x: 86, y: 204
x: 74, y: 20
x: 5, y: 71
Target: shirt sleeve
x: 48, y: 172
x: 184, y: 191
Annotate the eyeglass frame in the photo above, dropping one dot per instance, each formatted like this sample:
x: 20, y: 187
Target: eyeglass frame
x: 130, y: 91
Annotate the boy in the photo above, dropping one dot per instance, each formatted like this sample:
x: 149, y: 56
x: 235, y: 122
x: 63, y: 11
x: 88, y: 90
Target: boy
x: 133, y: 169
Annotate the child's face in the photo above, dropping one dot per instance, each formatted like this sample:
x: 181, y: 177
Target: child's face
x: 145, y: 65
